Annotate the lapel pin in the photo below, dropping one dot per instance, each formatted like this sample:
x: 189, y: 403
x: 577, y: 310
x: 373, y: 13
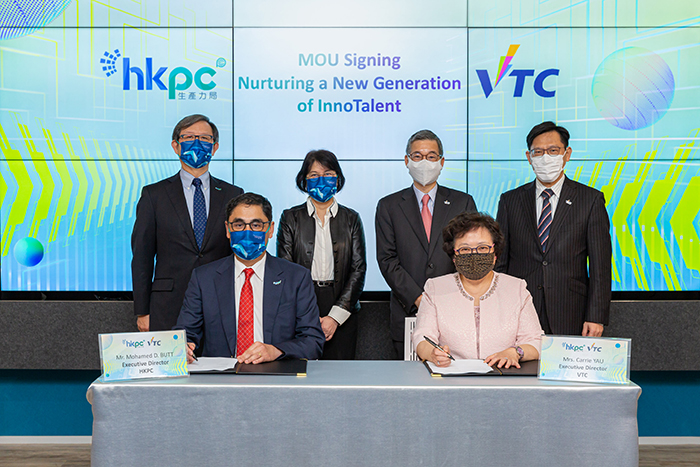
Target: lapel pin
x: 447, y: 201
x: 277, y: 282
x: 568, y: 201
x: 217, y: 188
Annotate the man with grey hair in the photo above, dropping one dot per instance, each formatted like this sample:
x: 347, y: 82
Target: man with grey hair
x: 179, y: 226
x: 409, y: 226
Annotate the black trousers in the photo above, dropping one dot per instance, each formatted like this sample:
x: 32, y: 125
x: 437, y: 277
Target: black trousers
x: 343, y: 343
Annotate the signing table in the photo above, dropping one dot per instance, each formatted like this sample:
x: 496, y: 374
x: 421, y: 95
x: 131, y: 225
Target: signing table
x: 370, y: 413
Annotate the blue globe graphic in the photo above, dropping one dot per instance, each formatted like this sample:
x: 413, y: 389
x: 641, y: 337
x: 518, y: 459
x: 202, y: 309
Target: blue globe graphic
x: 29, y: 252
x: 633, y: 88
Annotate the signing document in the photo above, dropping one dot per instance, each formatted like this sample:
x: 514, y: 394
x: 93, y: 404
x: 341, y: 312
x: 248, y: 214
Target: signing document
x: 461, y: 367
x: 207, y: 364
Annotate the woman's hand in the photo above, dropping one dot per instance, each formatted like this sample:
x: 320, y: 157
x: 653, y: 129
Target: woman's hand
x: 329, y: 325
x: 504, y: 358
x: 439, y: 357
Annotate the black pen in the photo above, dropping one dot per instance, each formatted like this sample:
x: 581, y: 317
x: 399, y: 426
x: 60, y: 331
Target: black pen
x: 193, y: 355
x: 438, y: 347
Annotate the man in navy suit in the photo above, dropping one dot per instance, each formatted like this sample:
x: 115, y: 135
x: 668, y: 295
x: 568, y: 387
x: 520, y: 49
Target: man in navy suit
x: 251, y: 305
x: 178, y: 226
x: 557, y: 238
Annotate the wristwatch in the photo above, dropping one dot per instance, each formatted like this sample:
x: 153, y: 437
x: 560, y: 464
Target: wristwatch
x: 521, y: 352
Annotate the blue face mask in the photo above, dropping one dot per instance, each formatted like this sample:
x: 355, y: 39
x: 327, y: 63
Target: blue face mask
x: 195, y: 153
x: 248, y: 244
x: 322, y: 188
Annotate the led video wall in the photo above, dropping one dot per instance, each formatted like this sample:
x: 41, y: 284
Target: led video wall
x: 89, y: 94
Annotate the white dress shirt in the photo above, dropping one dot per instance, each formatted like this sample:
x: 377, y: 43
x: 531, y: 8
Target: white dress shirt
x: 553, y: 200
x: 323, y: 264
x: 257, y: 282
x: 188, y: 189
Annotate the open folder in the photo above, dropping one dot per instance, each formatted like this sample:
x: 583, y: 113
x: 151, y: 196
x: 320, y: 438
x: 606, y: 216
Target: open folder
x: 218, y: 365
x: 479, y: 368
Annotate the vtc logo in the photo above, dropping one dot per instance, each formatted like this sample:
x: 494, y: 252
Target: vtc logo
x: 147, y: 79
x: 520, y: 76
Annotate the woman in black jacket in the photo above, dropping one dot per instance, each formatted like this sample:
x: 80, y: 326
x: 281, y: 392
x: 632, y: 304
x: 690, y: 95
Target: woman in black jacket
x: 329, y: 240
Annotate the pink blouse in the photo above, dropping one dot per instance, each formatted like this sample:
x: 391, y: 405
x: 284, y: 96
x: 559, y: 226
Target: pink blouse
x: 505, y: 317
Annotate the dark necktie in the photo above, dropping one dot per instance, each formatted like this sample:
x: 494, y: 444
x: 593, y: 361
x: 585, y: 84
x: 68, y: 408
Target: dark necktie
x: 200, y: 212
x: 545, y: 218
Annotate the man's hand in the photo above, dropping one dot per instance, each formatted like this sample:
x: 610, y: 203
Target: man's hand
x: 592, y: 329
x: 190, y: 352
x: 329, y: 325
x: 417, y: 302
x: 143, y: 322
x: 259, y: 353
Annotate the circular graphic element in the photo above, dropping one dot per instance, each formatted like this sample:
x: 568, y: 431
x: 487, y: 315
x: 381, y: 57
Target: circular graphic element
x: 220, y: 62
x: 29, y: 252
x: 546, y: 343
x: 175, y: 336
x: 633, y: 88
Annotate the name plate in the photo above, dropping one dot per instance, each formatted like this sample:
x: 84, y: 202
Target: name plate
x: 138, y: 355
x: 586, y: 359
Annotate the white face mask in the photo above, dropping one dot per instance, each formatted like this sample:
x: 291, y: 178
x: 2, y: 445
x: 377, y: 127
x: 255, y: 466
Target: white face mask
x: 424, y: 172
x: 546, y: 167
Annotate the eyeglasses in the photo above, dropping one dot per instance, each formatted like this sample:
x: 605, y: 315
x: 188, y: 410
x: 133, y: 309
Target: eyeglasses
x: 432, y: 156
x: 330, y: 173
x: 256, y: 225
x: 553, y: 151
x: 481, y: 249
x: 204, y: 138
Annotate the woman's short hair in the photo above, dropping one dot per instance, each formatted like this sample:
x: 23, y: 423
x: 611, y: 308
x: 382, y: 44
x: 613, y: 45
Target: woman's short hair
x: 327, y: 159
x: 466, y: 222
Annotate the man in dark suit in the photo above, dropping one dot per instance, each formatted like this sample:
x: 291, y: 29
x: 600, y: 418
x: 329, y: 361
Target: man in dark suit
x: 251, y: 305
x: 178, y: 223
x: 409, y: 226
x: 557, y: 238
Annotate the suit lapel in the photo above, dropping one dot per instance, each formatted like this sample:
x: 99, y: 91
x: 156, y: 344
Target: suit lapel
x: 409, y: 206
x: 225, y: 293
x: 441, y: 209
x: 216, y: 200
x: 272, y: 292
x: 527, y: 200
x: 177, y: 197
x: 568, y: 193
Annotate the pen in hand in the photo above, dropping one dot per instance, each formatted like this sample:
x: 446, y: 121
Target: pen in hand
x: 192, y: 349
x: 437, y: 347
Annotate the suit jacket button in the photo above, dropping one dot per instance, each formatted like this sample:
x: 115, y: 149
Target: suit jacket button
x: 539, y: 287
x: 544, y: 263
x: 201, y: 255
x: 430, y: 266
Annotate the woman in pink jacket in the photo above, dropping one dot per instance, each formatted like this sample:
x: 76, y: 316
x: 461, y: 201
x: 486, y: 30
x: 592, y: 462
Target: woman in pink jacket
x: 476, y: 313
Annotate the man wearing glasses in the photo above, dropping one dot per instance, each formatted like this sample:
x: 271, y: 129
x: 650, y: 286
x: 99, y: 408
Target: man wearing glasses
x: 178, y: 224
x: 251, y: 305
x: 557, y: 238
x: 409, y: 226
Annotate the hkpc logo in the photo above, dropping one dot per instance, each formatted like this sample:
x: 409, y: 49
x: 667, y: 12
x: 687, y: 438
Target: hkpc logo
x: 145, y: 78
x: 520, y: 76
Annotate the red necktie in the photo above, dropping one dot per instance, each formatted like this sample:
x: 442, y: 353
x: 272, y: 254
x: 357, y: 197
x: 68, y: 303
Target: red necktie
x: 244, y: 338
x: 427, y: 217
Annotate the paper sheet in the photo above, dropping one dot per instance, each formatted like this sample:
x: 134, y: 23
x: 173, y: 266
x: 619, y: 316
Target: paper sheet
x: 212, y: 364
x: 472, y: 366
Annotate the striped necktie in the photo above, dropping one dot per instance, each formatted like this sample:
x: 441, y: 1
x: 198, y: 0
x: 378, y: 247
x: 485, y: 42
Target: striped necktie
x: 545, y: 218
